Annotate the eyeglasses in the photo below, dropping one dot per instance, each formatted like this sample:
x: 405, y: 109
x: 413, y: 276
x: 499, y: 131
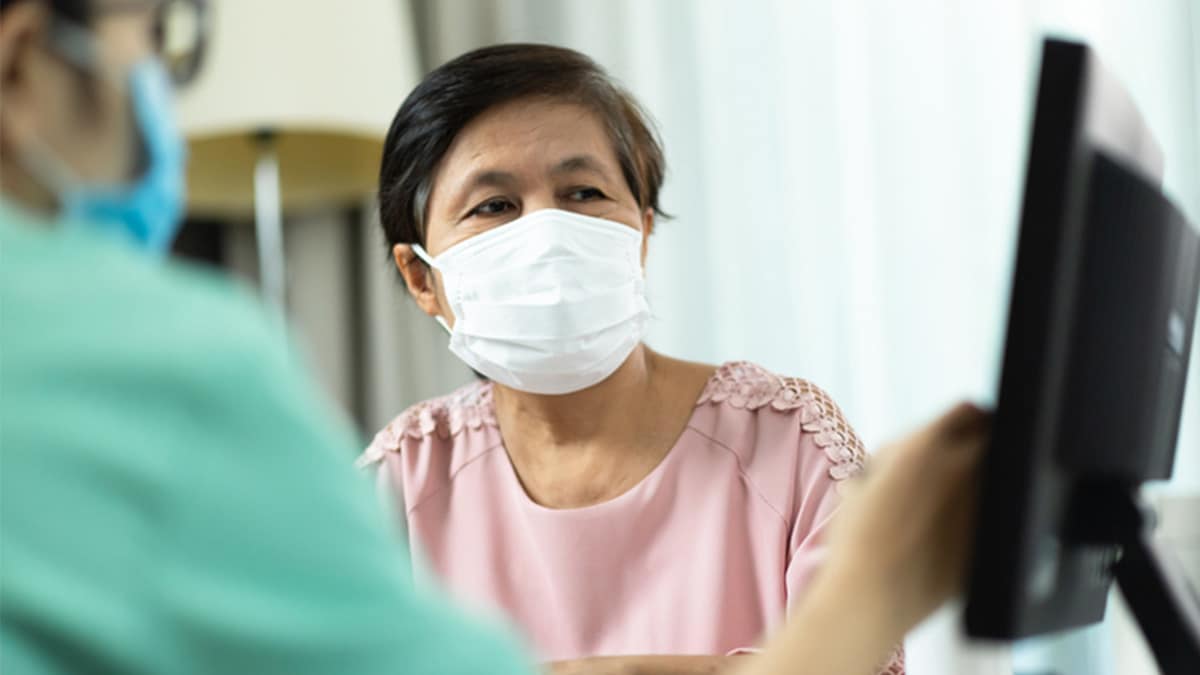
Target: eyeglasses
x: 179, y: 32
x: 181, y: 29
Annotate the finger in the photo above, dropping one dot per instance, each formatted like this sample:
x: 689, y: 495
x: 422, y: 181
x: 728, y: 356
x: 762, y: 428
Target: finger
x: 960, y: 519
x: 962, y: 422
x: 954, y: 443
x: 964, y: 419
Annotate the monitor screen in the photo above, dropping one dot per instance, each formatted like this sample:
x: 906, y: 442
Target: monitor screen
x: 1100, y: 323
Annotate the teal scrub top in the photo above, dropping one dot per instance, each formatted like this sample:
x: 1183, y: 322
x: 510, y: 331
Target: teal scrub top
x: 175, y: 498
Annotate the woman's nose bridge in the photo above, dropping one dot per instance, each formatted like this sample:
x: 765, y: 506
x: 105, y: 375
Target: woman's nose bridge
x: 542, y: 195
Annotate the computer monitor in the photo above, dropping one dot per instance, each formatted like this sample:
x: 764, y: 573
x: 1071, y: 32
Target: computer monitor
x: 1100, y: 326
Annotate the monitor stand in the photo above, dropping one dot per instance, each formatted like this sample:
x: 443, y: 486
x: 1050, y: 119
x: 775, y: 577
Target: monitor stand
x: 1165, y: 605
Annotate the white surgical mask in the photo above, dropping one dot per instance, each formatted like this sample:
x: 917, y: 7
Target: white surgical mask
x: 551, y: 303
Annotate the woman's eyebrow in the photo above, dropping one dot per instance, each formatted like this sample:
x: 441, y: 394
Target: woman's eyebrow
x: 488, y: 178
x: 484, y: 178
x: 580, y: 163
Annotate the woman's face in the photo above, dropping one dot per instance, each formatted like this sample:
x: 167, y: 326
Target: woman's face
x: 81, y: 115
x: 512, y: 160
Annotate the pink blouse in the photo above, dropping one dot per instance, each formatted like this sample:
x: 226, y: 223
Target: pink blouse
x: 703, y: 556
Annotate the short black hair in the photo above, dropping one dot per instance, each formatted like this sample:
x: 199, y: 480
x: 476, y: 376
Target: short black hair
x: 463, y: 88
x: 79, y: 11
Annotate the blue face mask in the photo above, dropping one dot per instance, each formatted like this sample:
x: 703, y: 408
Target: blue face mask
x: 147, y: 210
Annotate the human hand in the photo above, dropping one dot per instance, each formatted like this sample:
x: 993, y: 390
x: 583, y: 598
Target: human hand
x: 639, y: 665
x: 905, y: 528
x: 897, y: 550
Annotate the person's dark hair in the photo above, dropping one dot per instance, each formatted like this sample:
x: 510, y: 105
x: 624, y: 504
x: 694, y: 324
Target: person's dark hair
x: 79, y: 11
x: 460, y: 90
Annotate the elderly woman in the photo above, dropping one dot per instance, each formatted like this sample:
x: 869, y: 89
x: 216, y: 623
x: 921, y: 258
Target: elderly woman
x: 610, y: 500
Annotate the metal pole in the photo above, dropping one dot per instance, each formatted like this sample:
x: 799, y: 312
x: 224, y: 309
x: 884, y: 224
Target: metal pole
x: 268, y: 222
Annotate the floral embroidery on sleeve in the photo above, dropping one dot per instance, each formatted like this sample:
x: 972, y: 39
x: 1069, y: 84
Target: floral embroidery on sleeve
x: 468, y: 408
x: 751, y: 387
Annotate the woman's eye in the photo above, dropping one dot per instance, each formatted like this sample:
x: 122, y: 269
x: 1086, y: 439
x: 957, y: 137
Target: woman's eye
x: 492, y: 207
x: 586, y: 194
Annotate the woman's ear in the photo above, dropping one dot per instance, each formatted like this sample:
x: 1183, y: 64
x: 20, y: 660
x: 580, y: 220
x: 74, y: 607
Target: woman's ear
x: 26, y: 93
x: 419, y: 279
x: 20, y: 33
x: 647, y: 230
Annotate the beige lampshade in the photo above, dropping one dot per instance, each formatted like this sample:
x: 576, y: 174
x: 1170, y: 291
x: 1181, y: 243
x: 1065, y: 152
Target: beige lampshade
x: 325, y: 75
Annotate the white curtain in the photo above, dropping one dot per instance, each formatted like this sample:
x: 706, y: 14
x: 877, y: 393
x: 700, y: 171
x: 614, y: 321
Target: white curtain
x: 845, y: 176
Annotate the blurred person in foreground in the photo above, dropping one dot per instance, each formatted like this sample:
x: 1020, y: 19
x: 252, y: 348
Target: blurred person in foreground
x: 174, y: 497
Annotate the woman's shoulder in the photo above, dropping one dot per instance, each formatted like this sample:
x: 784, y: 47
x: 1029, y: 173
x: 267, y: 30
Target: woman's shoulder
x: 742, y: 394
x: 442, y: 420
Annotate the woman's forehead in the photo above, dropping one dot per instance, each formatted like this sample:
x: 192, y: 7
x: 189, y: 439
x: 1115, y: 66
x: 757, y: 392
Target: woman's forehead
x: 528, y: 135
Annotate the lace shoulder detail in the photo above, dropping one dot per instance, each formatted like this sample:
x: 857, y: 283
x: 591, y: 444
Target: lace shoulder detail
x: 470, y: 407
x: 748, y: 386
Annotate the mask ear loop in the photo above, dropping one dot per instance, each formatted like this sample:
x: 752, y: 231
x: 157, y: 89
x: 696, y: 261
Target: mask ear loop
x: 423, y: 255
x: 445, y: 326
x: 428, y: 259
